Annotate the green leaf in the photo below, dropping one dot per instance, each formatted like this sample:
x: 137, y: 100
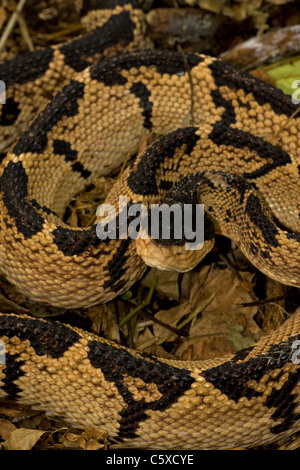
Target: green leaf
x: 285, y: 75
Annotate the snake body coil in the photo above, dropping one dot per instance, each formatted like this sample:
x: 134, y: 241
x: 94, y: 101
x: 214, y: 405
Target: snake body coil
x: 236, y: 152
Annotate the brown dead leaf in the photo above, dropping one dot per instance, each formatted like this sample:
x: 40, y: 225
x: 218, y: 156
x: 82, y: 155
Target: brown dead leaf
x: 104, y: 321
x: 166, y: 283
x: 144, y: 339
x: 274, y: 312
x: 260, y: 50
x: 221, y: 312
x: 238, y: 339
x: 90, y: 439
x: 208, y: 347
x: 8, y: 305
x: 22, y: 439
x: 6, y: 427
x: 173, y: 316
x: 211, y: 305
x: 171, y: 26
x: 3, y: 16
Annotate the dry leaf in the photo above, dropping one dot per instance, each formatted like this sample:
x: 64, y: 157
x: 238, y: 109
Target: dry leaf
x: 144, y: 340
x: 237, y: 339
x: 90, y: 439
x: 6, y: 427
x: 22, y: 439
x: 210, y: 330
x: 265, y: 49
x: 171, y: 26
x: 216, y: 294
x: 3, y: 16
x: 172, y: 317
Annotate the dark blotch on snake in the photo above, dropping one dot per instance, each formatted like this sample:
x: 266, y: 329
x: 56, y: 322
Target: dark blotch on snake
x: 26, y: 68
x: 142, y: 180
x: 76, y: 242
x: 170, y: 381
x: 9, y: 112
x: 118, y: 30
x: 256, y: 214
x: 233, y: 78
x: 140, y: 91
x: 46, y: 337
x: 109, y: 71
x: 13, y: 184
x: 65, y: 103
x: 223, y: 135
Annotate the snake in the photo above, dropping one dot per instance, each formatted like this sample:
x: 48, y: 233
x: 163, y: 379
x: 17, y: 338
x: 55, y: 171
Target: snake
x: 221, y: 138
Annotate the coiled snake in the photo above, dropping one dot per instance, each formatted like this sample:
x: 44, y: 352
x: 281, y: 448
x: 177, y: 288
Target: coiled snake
x: 236, y: 152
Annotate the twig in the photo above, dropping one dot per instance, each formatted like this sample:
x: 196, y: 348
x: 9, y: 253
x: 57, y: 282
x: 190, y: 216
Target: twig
x: 25, y: 32
x: 139, y: 307
x: 190, y: 80
x: 165, y: 325
x: 275, y: 138
x: 265, y: 301
x: 11, y: 23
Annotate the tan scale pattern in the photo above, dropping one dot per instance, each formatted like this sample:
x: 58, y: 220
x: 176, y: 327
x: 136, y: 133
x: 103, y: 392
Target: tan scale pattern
x: 34, y: 95
x: 107, y: 124
x: 201, y: 418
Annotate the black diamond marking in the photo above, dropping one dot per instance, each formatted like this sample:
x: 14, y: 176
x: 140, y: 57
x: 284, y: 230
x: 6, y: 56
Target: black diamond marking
x: 293, y: 236
x: 285, y: 408
x: 228, y: 116
x: 185, y: 191
x: 12, y: 373
x: 265, y: 254
x: 45, y: 209
x: 253, y: 248
x: 223, y: 135
x: 116, y: 268
x: 232, y: 379
x: 47, y: 338
x: 234, y: 182
x: 80, y: 169
x: 61, y: 147
x: 77, y: 242
x: 26, y: 67
x: 170, y: 381
x: 165, y: 185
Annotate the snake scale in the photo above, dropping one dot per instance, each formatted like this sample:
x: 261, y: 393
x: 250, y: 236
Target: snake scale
x: 225, y: 139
